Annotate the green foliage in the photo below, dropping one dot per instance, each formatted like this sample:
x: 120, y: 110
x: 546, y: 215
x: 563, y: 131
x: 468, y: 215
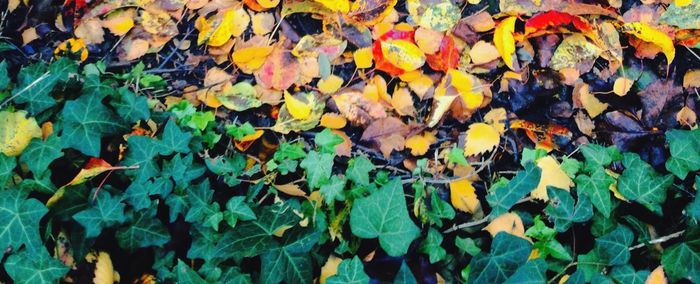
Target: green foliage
x: 507, y: 254
x: 502, y: 198
x: 108, y: 211
x: 349, y: 271
x: 20, y: 225
x: 639, y: 182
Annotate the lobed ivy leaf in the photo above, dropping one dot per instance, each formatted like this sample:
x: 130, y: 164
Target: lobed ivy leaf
x: 533, y: 271
x: 326, y: 141
x: 685, y: 151
x: 86, y: 120
x: 682, y: 260
x: 431, y: 246
x: 318, y: 168
x: 108, y: 211
x: 404, y: 275
x: 349, y: 271
x: 131, y: 107
x: 290, y: 262
x: 36, y: 82
x: 39, y: 154
x: 614, y: 246
x: 20, y: 221
x: 34, y: 268
x: 201, y: 208
x: 627, y: 274
x: 504, y: 197
x: 561, y: 209
x: 237, y: 209
x: 383, y: 215
x: 596, y: 187
x: 174, y: 139
x: 186, y: 275
x: 507, y: 254
x: 333, y: 190
x: 144, y: 230
x: 639, y: 182
x: 358, y: 170
x: 7, y: 165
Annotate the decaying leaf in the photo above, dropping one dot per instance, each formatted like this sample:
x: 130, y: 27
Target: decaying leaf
x: 463, y: 196
x: 508, y: 222
x: 16, y: 131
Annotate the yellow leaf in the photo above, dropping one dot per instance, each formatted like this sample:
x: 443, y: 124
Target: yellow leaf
x: 403, y: 54
x: 333, y: 121
x: 363, y: 57
x: 29, y: 35
x: 428, y: 40
x: 330, y: 85
x: 650, y: 34
x: 481, y: 137
x: 657, y: 276
x: 463, y: 196
x: 421, y: 85
x: 552, y: 175
x: 16, y: 131
x: 419, y: 144
x: 247, y: 140
x: 223, y: 33
x: 104, y: 270
x: 336, y: 5
x: 590, y: 102
x: 268, y: 3
x: 467, y: 86
x: 251, y: 58
x: 239, y: 21
x: 402, y: 101
x: 507, y: 222
x: 291, y: 189
x: 298, y: 109
x: 120, y: 22
x: 622, y: 86
x: 613, y: 186
x: 682, y: 3
x: 496, y: 118
x: 329, y: 269
x: 504, y: 41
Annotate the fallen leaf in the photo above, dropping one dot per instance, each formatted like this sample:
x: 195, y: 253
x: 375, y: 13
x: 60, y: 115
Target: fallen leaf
x: 29, y: 35
x: 370, y: 12
x: 16, y: 131
x: 298, y: 108
x: 290, y: 189
x: 463, y: 196
x: 483, y: 52
x: 245, y: 142
x: 286, y: 122
x: 329, y: 269
x: 120, y: 22
x: 447, y: 56
x: 357, y: 109
x: 438, y: 15
x: 429, y: 41
x: 622, y: 86
x: 691, y: 79
x: 343, y: 149
x: 687, y: 117
x: 336, y: 5
x: 90, y: 31
x: 496, y: 118
x: 363, y: 57
x: 657, y: 276
x: 505, y: 42
x: 239, y: 97
x: 419, y: 144
x: 552, y: 175
x: 584, y: 98
x: 481, y: 138
x: 330, y: 85
x: 251, y: 58
x: 402, y: 101
x: 280, y: 70
x: 650, y: 34
x: 507, y: 222
x: 263, y: 23
x: 575, y: 51
x: 333, y: 121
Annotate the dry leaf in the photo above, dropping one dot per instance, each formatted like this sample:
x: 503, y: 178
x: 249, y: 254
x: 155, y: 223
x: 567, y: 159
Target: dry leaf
x: 650, y: 34
x: 297, y: 108
x: 463, y: 196
x: 363, y: 57
x: 333, y: 121
x: 357, y: 109
x: 329, y: 269
x: 280, y: 70
x: 483, y: 52
x: 686, y: 117
x: 290, y: 189
x: 402, y: 101
x: 622, y: 86
x: 16, y: 131
x: 657, y: 276
x: 330, y: 85
x: 552, y: 175
x: 29, y: 35
x: 481, y: 138
x: 419, y: 144
x: 507, y: 222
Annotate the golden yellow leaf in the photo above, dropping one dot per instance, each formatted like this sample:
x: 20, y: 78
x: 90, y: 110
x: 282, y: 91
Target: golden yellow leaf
x: 104, y: 270
x: 16, y: 131
x: 268, y: 3
x: 507, y: 222
x: 247, y: 140
x: 223, y: 31
x: 691, y: 79
x: 403, y: 54
x: 463, y: 196
x: 333, y: 121
x: 336, y: 5
x: 251, y: 58
x: 419, y: 144
x: 298, y: 109
x: 363, y: 57
x: 329, y: 269
x: 421, y: 85
x: 291, y: 189
x: 29, y: 35
x: 496, y: 118
x: 650, y: 34
x: 657, y: 276
x: 120, y: 22
x: 681, y: 3
x: 483, y: 52
x: 402, y: 101
x: 468, y: 87
x: 504, y: 41
x: 590, y: 102
x: 622, y: 86
x: 552, y: 175
x: 330, y: 85
x: 481, y: 137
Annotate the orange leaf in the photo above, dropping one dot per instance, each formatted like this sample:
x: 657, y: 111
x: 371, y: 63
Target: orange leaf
x: 447, y: 56
x: 555, y: 21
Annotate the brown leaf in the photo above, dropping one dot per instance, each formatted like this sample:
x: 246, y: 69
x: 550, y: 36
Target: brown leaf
x: 359, y: 110
x: 280, y: 71
x: 656, y: 97
x: 384, y: 127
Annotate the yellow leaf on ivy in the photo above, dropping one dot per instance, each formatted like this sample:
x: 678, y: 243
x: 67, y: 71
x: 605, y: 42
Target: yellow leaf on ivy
x: 330, y: 85
x: 120, y: 22
x: 650, y: 34
x: 682, y: 3
x: 463, y: 196
x: 481, y: 137
x: 419, y: 144
x: 298, y: 109
x: 507, y: 222
x: 504, y: 41
x: 552, y: 175
x: 16, y: 131
x: 363, y: 57
x: 329, y: 269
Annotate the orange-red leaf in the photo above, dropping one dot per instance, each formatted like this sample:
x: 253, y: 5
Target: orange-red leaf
x: 447, y: 56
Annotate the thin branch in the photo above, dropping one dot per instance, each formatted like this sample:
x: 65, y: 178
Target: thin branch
x: 658, y: 240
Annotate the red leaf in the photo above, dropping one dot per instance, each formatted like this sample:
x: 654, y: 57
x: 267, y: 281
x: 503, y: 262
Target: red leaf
x: 555, y: 21
x: 446, y: 58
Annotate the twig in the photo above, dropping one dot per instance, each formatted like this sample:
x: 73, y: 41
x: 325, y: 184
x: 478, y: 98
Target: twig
x: 659, y: 240
x: 41, y: 78
x: 466, y: 225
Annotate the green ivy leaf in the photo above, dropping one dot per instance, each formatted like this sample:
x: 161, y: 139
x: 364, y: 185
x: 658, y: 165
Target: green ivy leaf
x: 20, y: 220
x: 187, y: 275
x: 383, y: 215
x: 546, y: 243
x: 318, y: 168
x: 439, y: 209
x: 614, y: 246
x: 431, y: 246
x: 142, y: 151
x: 685, y: 151
x: 533, y: 271
x: 626, y: 274
x: 201, y: 208
x: 39, y: 154
x: 4, y: 79
x: 358, y: 170
x: 349, y: 271
x: 34, y: 268
x: 456, y: 156
x: 562, y: 210
x: 326, y: 141
x: 639, y: 182
x: 507, y: 254
x: 174, y: 139
x: 36, y: 82
x: 333, y: 190
x: 597, y: 188
x: 404, y: 275
x: 237, y: 209
x: 467, y: 245
x: 233, y: 275
x: 238, y: 132
x: 504, y: 197
x: 682, y: 261
x: 291, y: 261
x: 7, y: 164
x: 144, y: 230
x: 86, y: 121
x: 107, y: 212
x: 182, y: 170
x: 131, y: 107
